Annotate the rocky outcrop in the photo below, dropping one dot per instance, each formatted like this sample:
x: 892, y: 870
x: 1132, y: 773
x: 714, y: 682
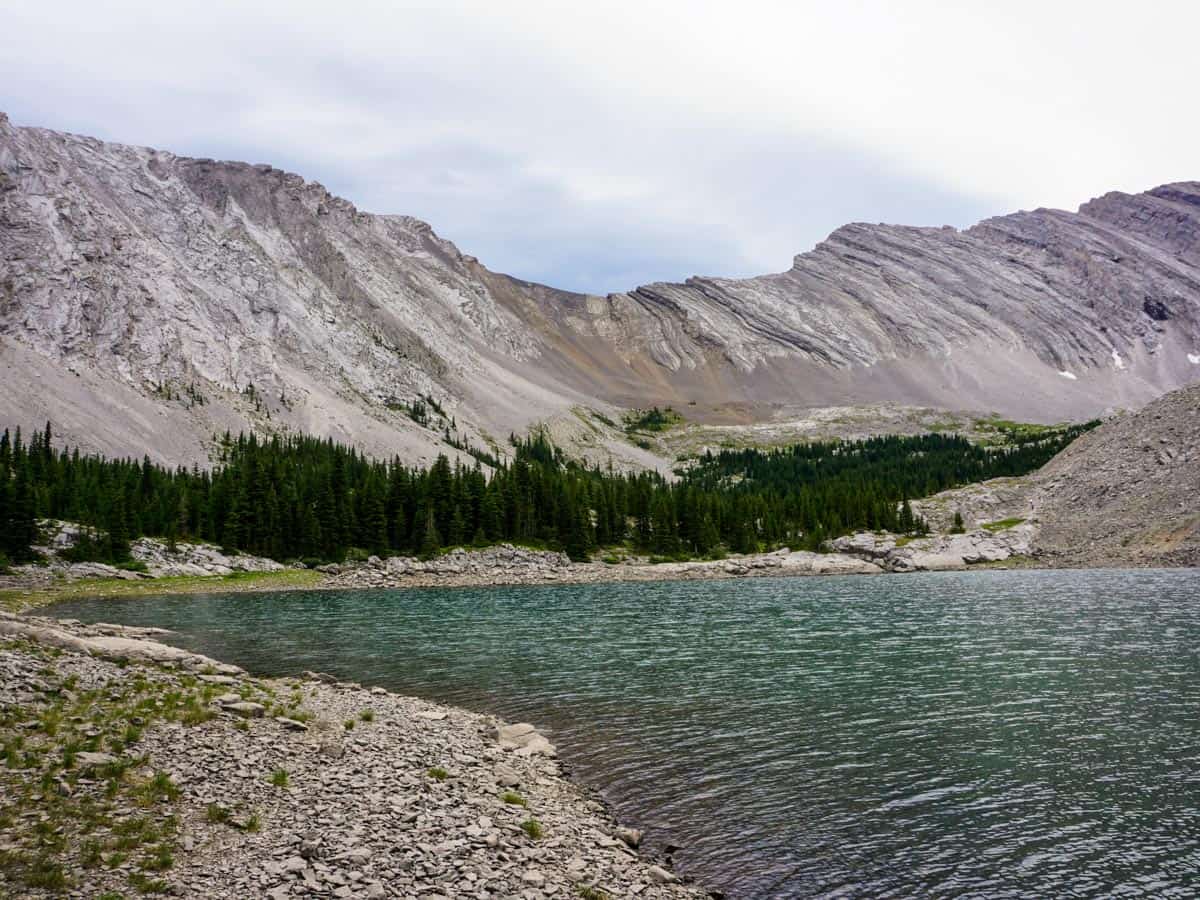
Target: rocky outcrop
x: 114, y: 642
x: 780, y: 562
x: 158, y: 559
x: 505, y: 564
x: 228, y: 786
x: 148, y: 301
x: 524, y: 740
x: 980, y: 504
x: 196, y: 559
x: 938, y: 552
x: 501, y: 564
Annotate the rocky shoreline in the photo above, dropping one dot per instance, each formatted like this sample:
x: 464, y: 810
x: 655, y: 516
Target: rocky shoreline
x: 133, y: 766
x: 505, y: 564
x: 199, y: 568
x: 858, y: 554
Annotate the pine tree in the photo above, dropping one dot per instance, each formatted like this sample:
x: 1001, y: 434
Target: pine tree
x: 458, y: 527
x: 707, y: 538
x: 118, y: 535
x: 491, y: 521
x: 375, y: 522
x: 578, y: 541
x: 664, y: 539
x: 431, y: 540
x: 21, y: 527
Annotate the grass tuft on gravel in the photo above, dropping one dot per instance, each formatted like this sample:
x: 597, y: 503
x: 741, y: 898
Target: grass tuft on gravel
x: 532, y: 828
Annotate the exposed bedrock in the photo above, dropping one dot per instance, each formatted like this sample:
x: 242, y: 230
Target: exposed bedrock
x: 148, y: 300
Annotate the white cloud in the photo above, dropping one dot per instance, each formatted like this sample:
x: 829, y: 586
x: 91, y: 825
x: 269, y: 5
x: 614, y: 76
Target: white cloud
x: 635, y: 140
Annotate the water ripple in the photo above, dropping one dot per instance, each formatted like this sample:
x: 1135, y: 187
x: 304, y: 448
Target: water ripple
x: 985, y: 734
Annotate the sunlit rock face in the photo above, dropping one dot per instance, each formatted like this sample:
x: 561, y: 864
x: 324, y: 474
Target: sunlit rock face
x: 149, y: 300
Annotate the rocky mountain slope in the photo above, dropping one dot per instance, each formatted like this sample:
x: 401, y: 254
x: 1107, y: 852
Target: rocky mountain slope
x: 1124, y: 494
x: 148, y: 300
x: 1127, y: 493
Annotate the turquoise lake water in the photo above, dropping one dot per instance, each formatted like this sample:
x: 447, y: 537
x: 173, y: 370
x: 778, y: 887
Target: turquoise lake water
x: 996, y: 733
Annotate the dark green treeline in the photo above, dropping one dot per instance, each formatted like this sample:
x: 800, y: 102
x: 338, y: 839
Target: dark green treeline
x: 299, y: 497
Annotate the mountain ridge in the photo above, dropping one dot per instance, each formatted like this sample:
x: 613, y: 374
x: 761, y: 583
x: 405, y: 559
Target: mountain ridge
x: 130, y: 276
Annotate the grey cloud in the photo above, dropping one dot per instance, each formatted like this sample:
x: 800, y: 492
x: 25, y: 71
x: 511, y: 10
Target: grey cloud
x: 514, y: 168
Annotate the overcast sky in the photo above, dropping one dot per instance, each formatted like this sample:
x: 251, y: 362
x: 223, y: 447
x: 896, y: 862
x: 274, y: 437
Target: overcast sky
x: 621, y: 143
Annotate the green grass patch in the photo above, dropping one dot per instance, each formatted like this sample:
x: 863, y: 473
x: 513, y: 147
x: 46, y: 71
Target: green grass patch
x: 144, y: 884
x: 437, y: 773
x: 159, y: 788
x: 513, y: 799
x: 996, y: 431
x: 159, y: 860
x: 16, y: 600
x: 1001, y: 524
x: 39, y: 870
x: 651, y: 420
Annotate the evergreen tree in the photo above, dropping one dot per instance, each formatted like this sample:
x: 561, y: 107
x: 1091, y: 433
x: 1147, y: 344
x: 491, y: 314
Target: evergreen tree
x: 375, y: 530
x: 458, y: 527
x: 21, y: 528
x: 118, y: 536
x: 431, y: 539
x: 707, y: 538
x: 578, y: 540
x: 491, y: 521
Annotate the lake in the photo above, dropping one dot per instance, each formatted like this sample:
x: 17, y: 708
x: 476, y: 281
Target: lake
x: 992, y: 733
